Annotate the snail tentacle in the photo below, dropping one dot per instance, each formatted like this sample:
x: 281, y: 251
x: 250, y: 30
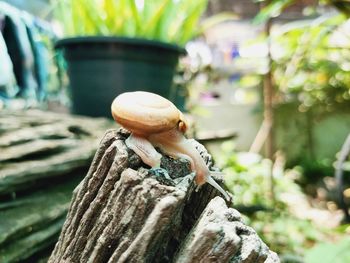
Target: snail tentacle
x: 213, y: 183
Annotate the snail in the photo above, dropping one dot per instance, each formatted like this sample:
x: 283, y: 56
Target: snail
x: 156, y: 122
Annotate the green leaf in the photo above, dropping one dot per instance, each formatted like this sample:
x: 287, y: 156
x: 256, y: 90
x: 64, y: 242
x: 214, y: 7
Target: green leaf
x: 152, y: 27
x: 135, y: 15
x: 215, y: 20
x: 186, y: 26
x: 110, y: 7
x: 274, y: 9
x: 164, y: 20
x: 330, y: 253
x: 170, y: 14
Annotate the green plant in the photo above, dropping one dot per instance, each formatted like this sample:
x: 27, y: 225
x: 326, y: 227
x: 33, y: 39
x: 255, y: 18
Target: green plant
x: 272, y: 9
x: 247, y: 177
x: 309, y: 57
x: 309, y: 65
x: 163, y: 20
x: 342, y: 5
x: 310, y: 62
x: 330, y: 252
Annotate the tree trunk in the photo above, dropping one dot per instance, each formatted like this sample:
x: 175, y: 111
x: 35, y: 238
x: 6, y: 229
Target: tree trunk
x: 124, y: 212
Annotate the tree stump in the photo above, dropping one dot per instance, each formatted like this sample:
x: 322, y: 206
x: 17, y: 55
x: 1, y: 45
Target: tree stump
x: 125, y: 212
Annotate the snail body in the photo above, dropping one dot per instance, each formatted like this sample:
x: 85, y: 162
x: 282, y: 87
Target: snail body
x: 156, y: 122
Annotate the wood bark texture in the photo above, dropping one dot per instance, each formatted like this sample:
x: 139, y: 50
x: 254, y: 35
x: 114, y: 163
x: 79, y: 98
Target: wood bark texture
x: 43, y: 157
x: 125, y: 212
x: 36, y: 146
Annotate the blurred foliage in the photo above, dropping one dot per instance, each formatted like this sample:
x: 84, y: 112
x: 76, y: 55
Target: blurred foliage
x: 342, y: 5
x: 310, y: 57
x: 273, y: 9
x: 286, y: 234
x: 163, y: 20
x: 247, y: 175
x: 311, y: 61
x: 330, y: 253
x: 313, y: 171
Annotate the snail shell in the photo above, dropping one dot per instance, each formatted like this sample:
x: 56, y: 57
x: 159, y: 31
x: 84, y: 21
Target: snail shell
x: 155, y: 121
x: 145, y: 113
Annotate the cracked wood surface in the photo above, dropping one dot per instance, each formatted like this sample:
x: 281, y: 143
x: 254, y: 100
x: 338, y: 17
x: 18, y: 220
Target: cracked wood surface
x: 124, y: 212
x: 43, y: 156
x: 36, y: 146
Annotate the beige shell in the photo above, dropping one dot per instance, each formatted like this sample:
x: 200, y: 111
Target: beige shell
x: 144, y: 112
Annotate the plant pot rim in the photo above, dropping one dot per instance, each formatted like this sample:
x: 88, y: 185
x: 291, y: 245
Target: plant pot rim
x: 71, y: 41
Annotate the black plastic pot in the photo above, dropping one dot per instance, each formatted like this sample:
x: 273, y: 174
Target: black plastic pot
x: 100, y: 68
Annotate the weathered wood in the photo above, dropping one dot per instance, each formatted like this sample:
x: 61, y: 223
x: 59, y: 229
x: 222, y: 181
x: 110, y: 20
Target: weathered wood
x: 32, y: 222
x: 26, y: 246
x: 23, y: 175
x: 42, y: 158
x: 27, y: 213
x: 124, y: 212
x: 37, y: 145
x: 221, y: 236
